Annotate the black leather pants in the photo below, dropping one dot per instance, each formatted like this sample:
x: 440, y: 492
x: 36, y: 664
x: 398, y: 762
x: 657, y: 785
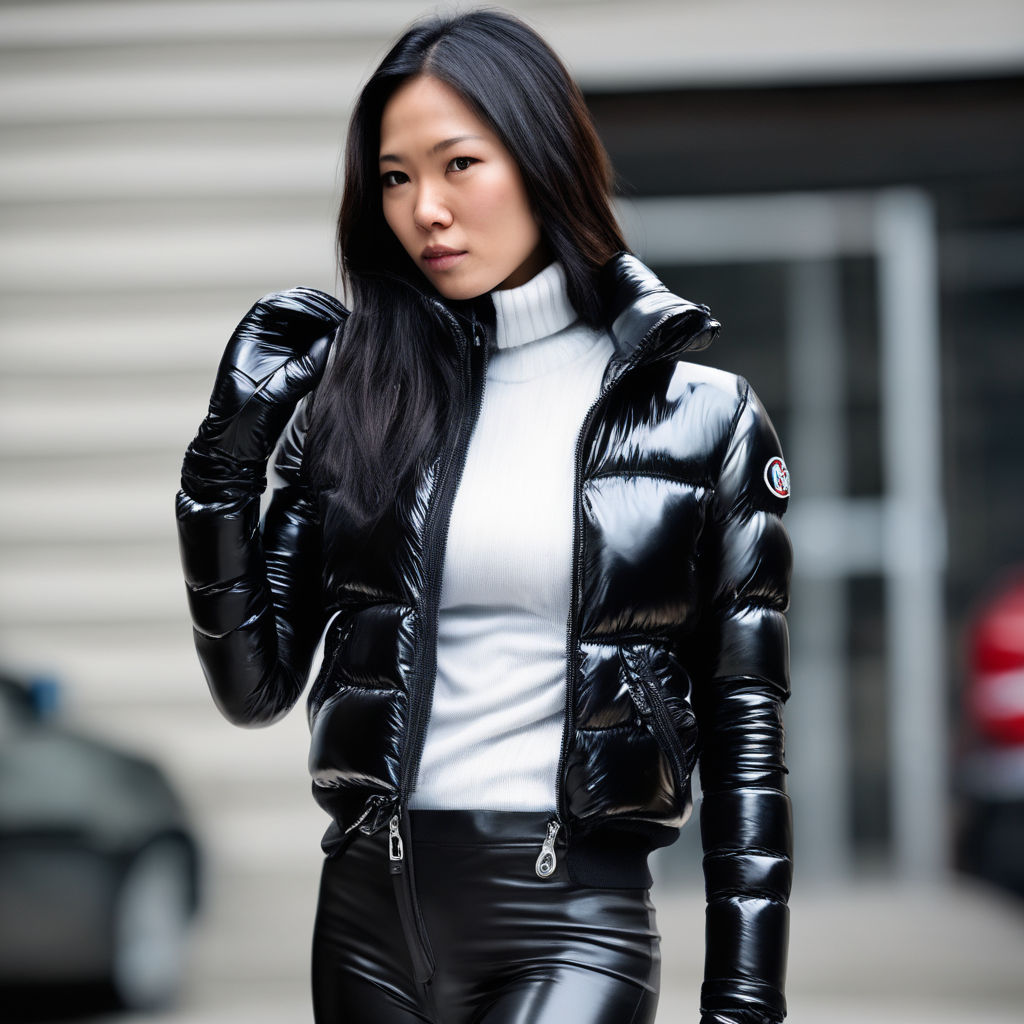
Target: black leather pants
x: 508, y: 946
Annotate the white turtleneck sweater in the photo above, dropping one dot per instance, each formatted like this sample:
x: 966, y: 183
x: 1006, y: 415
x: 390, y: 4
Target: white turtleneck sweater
x: 495, y: 729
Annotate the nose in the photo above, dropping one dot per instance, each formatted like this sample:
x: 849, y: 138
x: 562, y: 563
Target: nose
x: 431, y: 209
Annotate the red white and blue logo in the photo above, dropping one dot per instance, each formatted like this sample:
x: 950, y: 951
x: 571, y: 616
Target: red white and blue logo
x: 776, y: 476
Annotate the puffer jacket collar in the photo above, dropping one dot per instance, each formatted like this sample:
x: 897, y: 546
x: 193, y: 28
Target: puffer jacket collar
x: 641, y: 311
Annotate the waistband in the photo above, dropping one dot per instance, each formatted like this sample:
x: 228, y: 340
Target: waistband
x: 482, y: 827
x: 610, y: 856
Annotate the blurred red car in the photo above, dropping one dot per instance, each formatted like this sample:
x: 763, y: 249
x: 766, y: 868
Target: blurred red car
x: 990, y: 777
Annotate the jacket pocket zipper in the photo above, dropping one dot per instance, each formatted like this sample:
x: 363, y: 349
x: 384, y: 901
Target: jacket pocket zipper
x: 643, y: 688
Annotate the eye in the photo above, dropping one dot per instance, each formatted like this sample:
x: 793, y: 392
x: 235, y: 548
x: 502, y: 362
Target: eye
x: 391, y: 178
x: 462, y: 163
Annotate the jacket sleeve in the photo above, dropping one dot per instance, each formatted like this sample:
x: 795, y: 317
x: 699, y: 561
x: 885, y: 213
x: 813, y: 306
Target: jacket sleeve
x: 746, y: 824
x: 255, y: 591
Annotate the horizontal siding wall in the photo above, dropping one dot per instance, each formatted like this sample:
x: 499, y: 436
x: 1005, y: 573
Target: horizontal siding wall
x: 154, y: 183
x: 164, y: 165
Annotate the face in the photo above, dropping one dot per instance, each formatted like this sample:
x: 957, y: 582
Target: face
x: 453, y: 195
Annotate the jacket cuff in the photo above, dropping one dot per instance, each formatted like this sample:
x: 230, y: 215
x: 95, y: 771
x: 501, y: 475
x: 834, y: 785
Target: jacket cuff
x: 209, y: 474
x: 737, y: 1017
x: 741, y: 1001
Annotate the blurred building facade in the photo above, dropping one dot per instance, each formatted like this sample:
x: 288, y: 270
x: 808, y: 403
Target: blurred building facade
x: 841, y: 183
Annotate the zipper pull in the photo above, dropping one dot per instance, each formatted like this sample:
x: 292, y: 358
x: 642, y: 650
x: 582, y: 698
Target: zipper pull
x: 371, y: 806
x: 396, y: 852
x: 546, y: 861
x: 477, y: 335
x: 643, y: 705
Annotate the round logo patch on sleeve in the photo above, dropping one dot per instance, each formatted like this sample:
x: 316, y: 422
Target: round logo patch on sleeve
x: 776, y: 476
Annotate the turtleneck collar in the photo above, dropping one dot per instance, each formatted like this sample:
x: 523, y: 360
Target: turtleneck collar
x: 535, y: 310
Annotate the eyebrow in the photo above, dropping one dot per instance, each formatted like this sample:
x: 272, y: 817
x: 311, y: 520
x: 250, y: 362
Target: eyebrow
x: 443, y: 144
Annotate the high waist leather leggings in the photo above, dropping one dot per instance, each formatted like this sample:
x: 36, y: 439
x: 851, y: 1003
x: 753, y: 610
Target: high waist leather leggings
x: 509, y: 947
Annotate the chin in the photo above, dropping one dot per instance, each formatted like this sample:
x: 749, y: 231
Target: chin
x: 459, y: 291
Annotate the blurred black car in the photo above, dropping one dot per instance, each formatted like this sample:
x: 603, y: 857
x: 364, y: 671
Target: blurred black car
x: 99, y: 870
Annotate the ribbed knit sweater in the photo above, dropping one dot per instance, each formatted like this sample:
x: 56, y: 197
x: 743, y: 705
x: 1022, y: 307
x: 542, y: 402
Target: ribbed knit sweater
x: 495, y: 728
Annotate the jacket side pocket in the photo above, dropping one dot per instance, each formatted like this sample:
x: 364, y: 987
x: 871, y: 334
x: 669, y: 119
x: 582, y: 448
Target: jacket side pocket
x: 675, y: 730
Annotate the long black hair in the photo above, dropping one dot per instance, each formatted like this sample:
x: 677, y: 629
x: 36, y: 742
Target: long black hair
x: 380, y: 412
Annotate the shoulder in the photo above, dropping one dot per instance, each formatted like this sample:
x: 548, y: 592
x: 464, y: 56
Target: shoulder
x: 727, y: 387
x: 697, y: 399
x: 730, y: 394
x: 738, y: 431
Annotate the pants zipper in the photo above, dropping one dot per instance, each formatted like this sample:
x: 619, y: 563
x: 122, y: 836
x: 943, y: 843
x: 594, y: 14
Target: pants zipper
x: 400, y: 866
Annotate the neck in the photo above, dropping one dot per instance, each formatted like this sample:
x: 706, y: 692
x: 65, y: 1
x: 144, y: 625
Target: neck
x: 534, y: 310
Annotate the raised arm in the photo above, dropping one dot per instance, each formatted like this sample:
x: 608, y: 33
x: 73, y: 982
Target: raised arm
x: 255, y: 594
x: 746, y: 823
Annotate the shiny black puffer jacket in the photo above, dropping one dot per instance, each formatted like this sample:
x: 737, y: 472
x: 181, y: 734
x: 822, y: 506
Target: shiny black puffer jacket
x: 676, y: 639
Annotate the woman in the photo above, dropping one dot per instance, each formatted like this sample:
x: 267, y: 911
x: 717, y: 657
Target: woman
x: 545, y: 555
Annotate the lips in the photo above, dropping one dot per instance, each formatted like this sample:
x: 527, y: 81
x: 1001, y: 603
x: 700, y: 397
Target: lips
x: 440, y: 257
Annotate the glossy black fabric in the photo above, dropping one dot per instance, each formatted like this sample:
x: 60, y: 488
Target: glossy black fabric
x: 676, y: 638
x: 509, y: 947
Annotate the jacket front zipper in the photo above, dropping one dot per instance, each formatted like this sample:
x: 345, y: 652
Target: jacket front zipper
x: 547, y: 860
x: 421, y: 688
